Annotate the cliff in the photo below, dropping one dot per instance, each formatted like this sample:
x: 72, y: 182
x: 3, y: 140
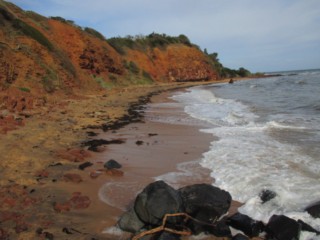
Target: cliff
x: 41, y: 56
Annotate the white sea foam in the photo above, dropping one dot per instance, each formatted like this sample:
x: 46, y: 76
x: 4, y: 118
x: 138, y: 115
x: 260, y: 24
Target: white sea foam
x: 246, y: 159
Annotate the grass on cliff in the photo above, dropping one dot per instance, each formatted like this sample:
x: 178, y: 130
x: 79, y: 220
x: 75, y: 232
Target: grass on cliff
x: 33, y: 33
x: 94, y: 33
x: 142, y: 43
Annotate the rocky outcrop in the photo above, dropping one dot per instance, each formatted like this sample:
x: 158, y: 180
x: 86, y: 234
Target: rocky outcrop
x: 314, y: 210
x: 156, y: 200
x: 196, y: 208
x: 161, y: 212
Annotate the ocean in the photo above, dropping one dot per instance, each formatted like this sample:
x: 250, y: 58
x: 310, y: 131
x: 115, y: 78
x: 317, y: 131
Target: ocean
x: 267, y: 137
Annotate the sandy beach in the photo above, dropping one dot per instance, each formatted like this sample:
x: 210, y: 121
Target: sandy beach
x: 45, y: 193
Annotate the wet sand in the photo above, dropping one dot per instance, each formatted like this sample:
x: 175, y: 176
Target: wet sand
x: 151, y: 149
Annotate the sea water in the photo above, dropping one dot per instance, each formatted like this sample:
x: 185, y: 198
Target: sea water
x: 268, y: 138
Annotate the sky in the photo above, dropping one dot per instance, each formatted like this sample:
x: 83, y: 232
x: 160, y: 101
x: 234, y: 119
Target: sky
x: 259, y: 35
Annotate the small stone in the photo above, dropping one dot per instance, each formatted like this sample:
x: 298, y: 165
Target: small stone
x: 95, y: 174
x: 85, y: 165
x: 267, y: 195
x: 111, y: 164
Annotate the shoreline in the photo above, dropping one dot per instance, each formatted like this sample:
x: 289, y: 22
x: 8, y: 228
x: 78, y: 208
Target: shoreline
x: 48, y: 147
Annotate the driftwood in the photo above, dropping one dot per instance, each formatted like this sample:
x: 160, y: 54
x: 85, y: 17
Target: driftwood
x: 185, y: 232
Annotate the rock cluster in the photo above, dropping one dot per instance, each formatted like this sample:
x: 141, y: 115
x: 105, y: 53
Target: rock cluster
x: 162, y: 212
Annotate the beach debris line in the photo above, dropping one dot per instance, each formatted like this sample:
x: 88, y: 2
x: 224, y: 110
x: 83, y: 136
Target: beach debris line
x: 93, y: 145
x: 162, y: 212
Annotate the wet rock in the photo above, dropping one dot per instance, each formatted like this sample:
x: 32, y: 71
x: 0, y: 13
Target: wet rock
x: 152, y: 134
x: 111, y: 164
x: 93, y: 145
x: 314, y: 210
x: 220, y: 229
x: 240, y: 236
x: 307, y: 227
x: 204, y: 202
x: 247, y: 225
x: 72, y: 177
x: 139, y: 142
x: 66, y: 231
x: 267, y: 195
x: 130, y: 222
x: 85, y: 165
x: 92, y: 134
x: 281, y: 227
x: 156, y: 200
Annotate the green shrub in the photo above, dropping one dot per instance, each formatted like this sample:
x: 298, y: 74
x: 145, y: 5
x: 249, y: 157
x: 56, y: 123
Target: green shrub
x: 147, y: 76
x: 65, y: 62
x: 133, y: 68
x: 35, y: 16
x: 102, y: 83
x: 49, y: 80
x: 60, y: 19
x: 24, y: 89
x: 6, y: 14
x: 119, y: 44
x: 142, y: 43
x: 94, y: 33
x: 33, y: 33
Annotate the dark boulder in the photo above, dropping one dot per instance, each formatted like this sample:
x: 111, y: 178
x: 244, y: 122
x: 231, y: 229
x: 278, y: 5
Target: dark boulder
x: 220, y: 229
x: 267, y: 195
x: 239, y: 236
x: 307, y: 227
x: 156, y: 200
x: 281, y: 227
x: 205, y: 203
x: 112, y: 164
x: 93, y: 145
x: 85, y: 165
x: 314, y: 210
x: 247, y: 225
x: 130, y: 222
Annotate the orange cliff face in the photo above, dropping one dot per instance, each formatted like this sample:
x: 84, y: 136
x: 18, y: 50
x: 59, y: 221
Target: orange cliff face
x: 175, y: 63
x: 40, y: 56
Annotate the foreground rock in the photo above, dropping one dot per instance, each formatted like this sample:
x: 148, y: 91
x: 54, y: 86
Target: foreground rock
x: 205, y: 203
x: 283, y: 228
x: 202, y: 202
x: 314, y: 210
x: 246, y: 224
x: 200, y: 208
x: 156, y: 200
